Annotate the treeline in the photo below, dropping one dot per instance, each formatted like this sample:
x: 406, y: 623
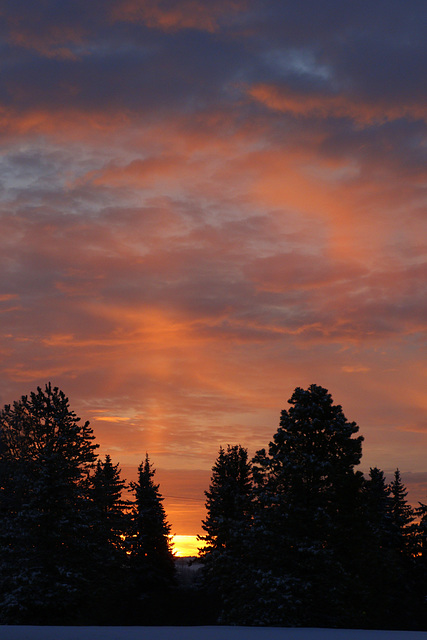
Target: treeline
x: 298, y: 537
x: 72, y: 550
x: 295, y: 537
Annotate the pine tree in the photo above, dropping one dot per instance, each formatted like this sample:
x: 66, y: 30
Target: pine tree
x: 149, y: 543
x: 402, y: 515
x: 228, y: 500
x: 312, y: 449
x: 406, y: 593
x: 46, y: 541
x: 388, y: 596
x: 378, y: 506
x: 226, y: 555
x: 109, y: 593
x: 375, y: 562
x: 307, y: 497
x: 109, y: 507
x: 421, y: 532
x: 420, y: 562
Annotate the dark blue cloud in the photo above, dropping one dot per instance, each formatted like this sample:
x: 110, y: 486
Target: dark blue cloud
x: 372, y: 49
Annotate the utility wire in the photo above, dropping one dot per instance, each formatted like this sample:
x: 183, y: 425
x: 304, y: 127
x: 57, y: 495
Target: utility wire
x: 184, y: 498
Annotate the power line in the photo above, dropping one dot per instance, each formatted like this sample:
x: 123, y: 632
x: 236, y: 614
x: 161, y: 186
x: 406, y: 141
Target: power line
x: 184, y: 498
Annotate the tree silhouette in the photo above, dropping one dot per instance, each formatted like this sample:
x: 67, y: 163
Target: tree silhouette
x: 149, y: 542
x: 228, y: 500
x: 227, y: 527
x: 47, y: 544
x: 109, y: 593
x: 307, y: 496
x: 109, y: 507
x: 402, y: 514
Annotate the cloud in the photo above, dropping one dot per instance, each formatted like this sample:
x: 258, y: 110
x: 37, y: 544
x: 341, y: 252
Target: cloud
x: 205, y: 206
x: 336, y: 106
x: 355, y: 369
x: 168, y: 16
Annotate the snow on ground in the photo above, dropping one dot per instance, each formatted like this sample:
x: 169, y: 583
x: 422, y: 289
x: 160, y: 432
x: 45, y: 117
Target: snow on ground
x: 199, y: 633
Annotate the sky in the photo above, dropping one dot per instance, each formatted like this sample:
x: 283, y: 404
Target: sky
x: 206, y: 205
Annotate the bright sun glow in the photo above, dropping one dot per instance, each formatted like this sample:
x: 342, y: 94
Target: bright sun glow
x: 186, y: 546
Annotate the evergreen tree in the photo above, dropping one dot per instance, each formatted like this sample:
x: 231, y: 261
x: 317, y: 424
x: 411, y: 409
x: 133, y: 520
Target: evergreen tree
x: 378, y: 504
x: 228, y: 500
x: 226, y: 555
x: 109, y: 595
x: 388, y: 597
x: 46, y: 541
x: 375, y: 561
x: 406, y: 603
x: 307, y: 503
x: 109, y: 507
x: 420, y: 562
x: 149, y: 544
x: 402, y: 515
x: 421, y: 533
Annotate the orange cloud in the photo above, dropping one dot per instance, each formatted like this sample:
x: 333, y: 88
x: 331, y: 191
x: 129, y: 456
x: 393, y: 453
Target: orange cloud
x: 189, y: 14
x: 111, y: 418
x: 139, y: 173
x: 8, y: 296
x: 50, y: 44
x: 355, y: 369
x: 61, y: 124
x: 337, y: 106
x: 47, y: 33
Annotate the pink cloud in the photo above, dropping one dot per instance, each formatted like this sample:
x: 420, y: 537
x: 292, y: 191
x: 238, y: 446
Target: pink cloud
x: 337, y: 106
x: 190, y: 14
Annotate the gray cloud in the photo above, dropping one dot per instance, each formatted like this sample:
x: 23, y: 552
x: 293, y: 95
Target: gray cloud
x: 201, y: 211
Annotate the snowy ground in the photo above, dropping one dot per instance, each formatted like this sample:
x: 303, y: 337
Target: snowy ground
x: 199, y: 633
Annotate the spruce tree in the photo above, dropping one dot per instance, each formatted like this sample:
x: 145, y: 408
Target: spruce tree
x: 386, y: 571
x: 307, y: 499
x: 402, y: 515
x: 46, y: 536
x: 149, y: 545
x: 226, y: 554
x: 406, y: 593
x: 375, y: 559
x: 228, y: 500
x: 420, y: 562
x: 421, y: 532
x: 378, y: 504
x: 109, y: 594
x: 109, y: 506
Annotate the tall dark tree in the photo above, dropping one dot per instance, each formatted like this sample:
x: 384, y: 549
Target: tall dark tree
x: 406, y: 599
x: 228, y: 500
x: 403, y: 515
x: 150, y: 548
x: 109, y: 506
x: 374, y: 555
x: 307, y: 496
x: 420, y: 561
x: 421, y: 533
x: 378, y: 504
x: 109, y: 594
x: 227, y: 525
x: 46, y: 541
x: 311, y: 451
